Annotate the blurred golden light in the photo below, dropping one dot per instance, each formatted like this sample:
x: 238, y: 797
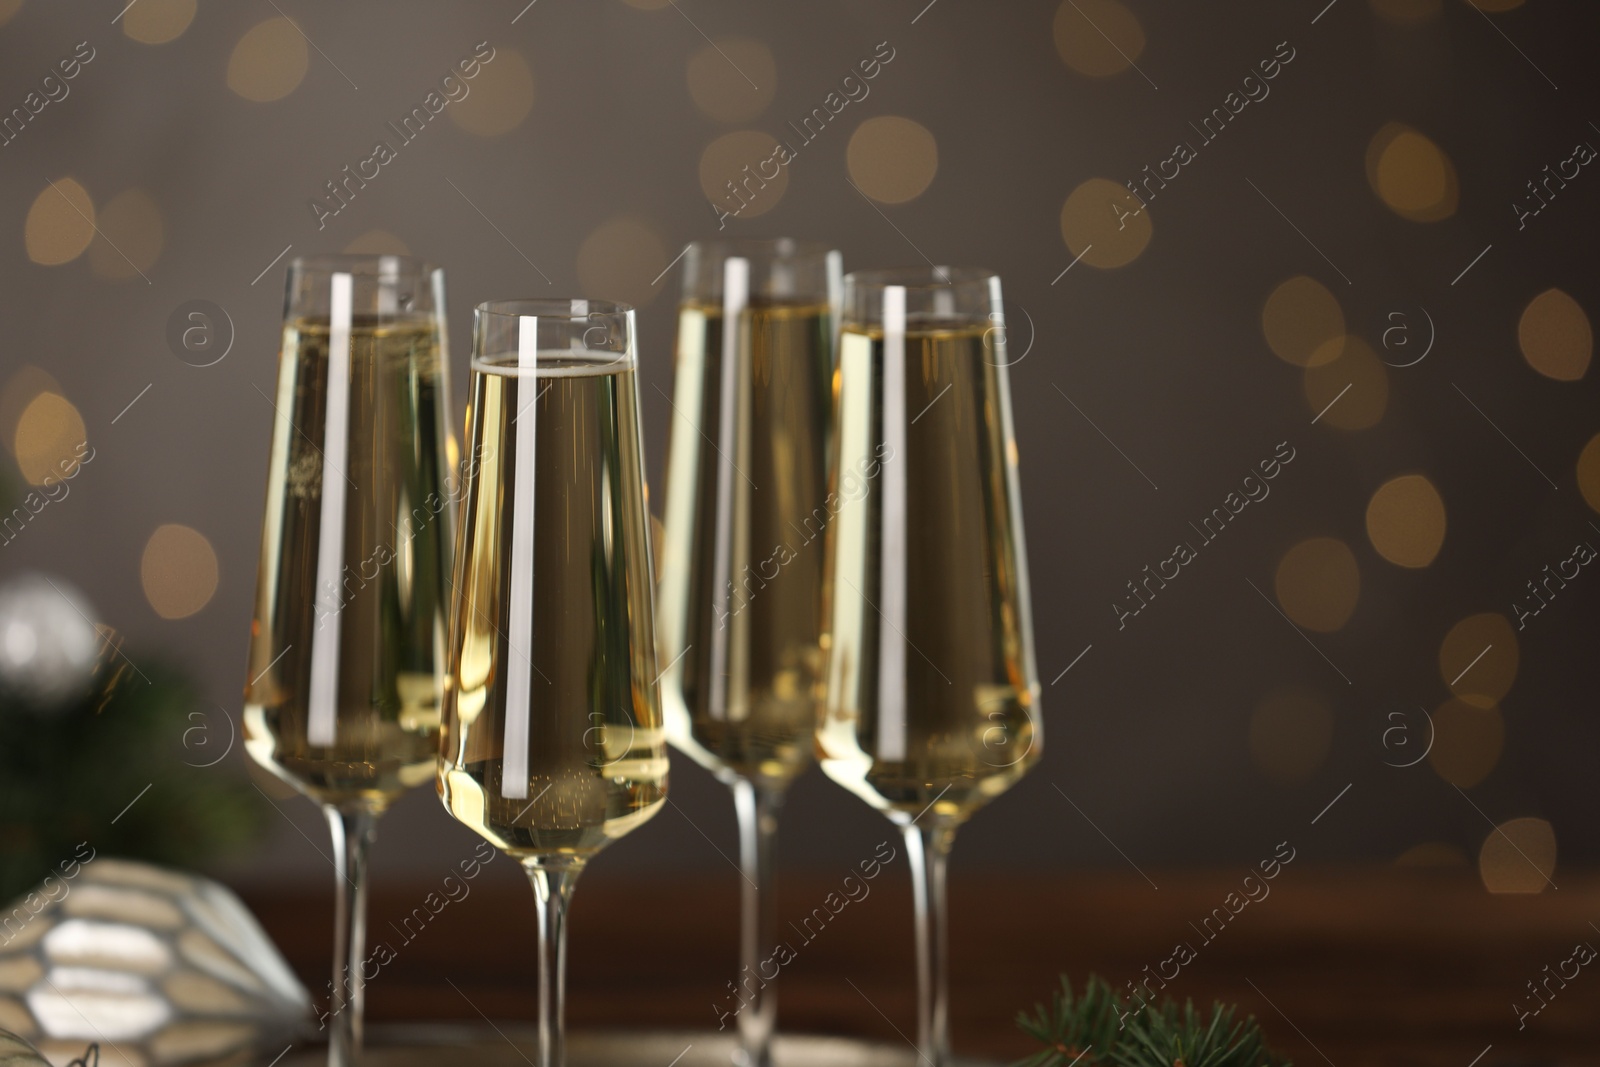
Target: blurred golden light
x: 1478, y: 659
x: 1466, y: 742
x: 1345, y: 362
x: 501, y: 96
x: 1105, y: 224
x: 1318, y: 584
x: 1495, y: 5
x: 1097, y: 37
x: 1412, y: 174
x: 1299, y: 318
x: 269, y: 61
x: 1290, y: 733
x: 1555, y: 337
x: 178, y: 571
x: 49, y: 439
x: 8, y: 8
x: 131, y: 236
x: 60, y: 223
x: 1407, y: 12
x: 20, y: 389
x: 158, y: 21
x: 892, y: 159
x: 1518, y: 856
x: 742, y: 173
x: 619, y: 260
x: 1589, y: 472
x: 721, y: 77
x: 1406, y: 521
x: 1431, y: 854
x: 377, y: 243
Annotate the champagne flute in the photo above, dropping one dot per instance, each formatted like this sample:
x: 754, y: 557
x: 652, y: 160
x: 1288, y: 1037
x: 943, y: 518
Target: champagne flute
x: 932, y: 704
x: 741, y: 589
x: 347, y: 646
x: 553, y: 745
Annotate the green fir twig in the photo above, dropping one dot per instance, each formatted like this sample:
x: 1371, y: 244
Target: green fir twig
x: 1100, y: 1029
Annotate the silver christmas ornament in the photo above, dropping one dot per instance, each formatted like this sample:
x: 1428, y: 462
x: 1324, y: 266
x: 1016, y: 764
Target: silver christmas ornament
x: 48, y: 640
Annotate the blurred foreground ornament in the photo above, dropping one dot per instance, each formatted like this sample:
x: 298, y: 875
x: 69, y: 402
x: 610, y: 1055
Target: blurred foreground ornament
x: 155, y: 966
x: 48, y: 641
x: 15, y: 1052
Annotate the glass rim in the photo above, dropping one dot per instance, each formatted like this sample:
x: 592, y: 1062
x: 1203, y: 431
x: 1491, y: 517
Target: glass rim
x: 553, y: 308
x: 776, y: 247
x: 362, y: 263
x: 926, y: 278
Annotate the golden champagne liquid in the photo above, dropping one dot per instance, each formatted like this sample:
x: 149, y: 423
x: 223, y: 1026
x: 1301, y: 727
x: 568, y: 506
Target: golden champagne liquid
x: 744, y: 642
x: 576, y: 756
x: 385, y: 606
x: 958, y: 722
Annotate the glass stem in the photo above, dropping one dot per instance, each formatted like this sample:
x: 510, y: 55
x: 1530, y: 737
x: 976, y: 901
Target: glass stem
x: 757, y: 806
x: 353, y: 830
x: 928, y: 848
x: 552, y: 893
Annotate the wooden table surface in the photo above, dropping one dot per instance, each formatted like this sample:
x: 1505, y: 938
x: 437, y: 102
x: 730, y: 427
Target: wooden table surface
x: 1343, y: 966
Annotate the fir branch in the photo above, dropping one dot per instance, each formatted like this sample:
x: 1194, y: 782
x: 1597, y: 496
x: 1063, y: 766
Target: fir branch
x: 1099, y: 1029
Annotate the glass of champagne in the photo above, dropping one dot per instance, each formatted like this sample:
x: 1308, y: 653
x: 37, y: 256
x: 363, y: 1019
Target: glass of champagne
x: 741, y: 590
x: 553, y: 745
x: 346, y: 667
x: 932, y: 704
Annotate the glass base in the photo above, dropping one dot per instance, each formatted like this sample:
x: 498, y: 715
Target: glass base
x: 427, y: 1045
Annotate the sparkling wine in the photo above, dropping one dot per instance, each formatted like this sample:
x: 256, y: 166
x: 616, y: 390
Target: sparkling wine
x: 741, y: 614
x: 554, y: 744
x: 348, y: 641
x: 932, y: 697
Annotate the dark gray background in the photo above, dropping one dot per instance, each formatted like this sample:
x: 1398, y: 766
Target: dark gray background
x: 1148, y: 732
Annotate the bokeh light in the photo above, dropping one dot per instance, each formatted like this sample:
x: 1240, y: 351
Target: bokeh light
x: 892, y: 159
x: 1406, y: 520
x: 1346, y: 384
x: 619, y: 260
x: 158, y: 21
x: 1097, y: 37
x: 1290, y: 733
x: 733, y: 80
x: 500, y: 98
x: 725, y: 162
x: 1407, y: 12
x: 1105, y: 224
x: 1589, y: 472
x: 1555, y: 336
x: 9, y: 8
x: 132, y: 235
x: 178, y: 571
x: 60, y: 223
x: 1411, y: 174
x: 1299, y: 319
x: 49, y: 439
x: 1478, y: 659
x: 1431, y: 855
x: 1318, y: 584
x: 1518, y: 856
x: 269, y: 62
x: 377, y: 243
x: 1467, y: 741
x: 16, y: 394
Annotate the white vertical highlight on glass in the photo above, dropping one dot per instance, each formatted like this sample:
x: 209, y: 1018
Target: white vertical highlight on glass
x: 323, y: 714
x: 735, y: 296
x: 892, y: 548
x: 519, y: 626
